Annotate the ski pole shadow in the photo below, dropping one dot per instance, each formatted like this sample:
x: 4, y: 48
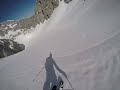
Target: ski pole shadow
x: 51, y: 78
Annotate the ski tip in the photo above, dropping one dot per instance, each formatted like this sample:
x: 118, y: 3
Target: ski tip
x: 61, y: 82
x: 54, y: 87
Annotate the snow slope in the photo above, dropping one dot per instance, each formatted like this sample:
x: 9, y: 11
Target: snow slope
x: 84, y: 38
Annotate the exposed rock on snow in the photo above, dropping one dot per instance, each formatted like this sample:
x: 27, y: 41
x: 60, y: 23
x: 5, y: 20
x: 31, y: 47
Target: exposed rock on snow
x: 44, y: 9
x: 9, y: 47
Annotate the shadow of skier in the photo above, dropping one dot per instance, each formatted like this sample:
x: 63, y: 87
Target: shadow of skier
x: 51, y: 78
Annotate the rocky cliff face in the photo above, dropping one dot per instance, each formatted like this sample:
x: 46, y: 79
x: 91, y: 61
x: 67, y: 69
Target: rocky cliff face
x: 9, y: 47
x: 44, y: 9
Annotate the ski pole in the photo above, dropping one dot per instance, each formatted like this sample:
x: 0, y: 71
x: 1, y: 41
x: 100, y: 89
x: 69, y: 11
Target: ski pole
x: 38, y: 74
x: 70, y: 84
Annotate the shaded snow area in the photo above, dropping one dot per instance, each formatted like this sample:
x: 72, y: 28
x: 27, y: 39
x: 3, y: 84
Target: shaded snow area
x: 84, y: 40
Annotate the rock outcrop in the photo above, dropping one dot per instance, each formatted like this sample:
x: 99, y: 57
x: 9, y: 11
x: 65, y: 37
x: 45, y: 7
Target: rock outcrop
x: 44, y: 9
x: 9, y: 47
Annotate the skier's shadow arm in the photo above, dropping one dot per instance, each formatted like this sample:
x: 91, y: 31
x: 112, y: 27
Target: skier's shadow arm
x: 59, y: 69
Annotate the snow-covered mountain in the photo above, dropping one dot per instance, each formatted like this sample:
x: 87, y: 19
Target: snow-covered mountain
x: 84, y: 39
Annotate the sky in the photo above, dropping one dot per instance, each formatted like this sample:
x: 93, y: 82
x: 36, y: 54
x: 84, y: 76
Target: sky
x: 16, y: 9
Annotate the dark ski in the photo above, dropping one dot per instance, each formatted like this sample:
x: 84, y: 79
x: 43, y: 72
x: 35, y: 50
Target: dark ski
x: 54, y: 87
x: 61, y: 85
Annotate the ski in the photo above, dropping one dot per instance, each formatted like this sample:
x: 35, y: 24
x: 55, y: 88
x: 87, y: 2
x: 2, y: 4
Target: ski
x: 61, y: 85
x: 54, y: 87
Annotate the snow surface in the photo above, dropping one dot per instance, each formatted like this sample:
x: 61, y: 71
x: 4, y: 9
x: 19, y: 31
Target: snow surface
x: 84, y: 38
